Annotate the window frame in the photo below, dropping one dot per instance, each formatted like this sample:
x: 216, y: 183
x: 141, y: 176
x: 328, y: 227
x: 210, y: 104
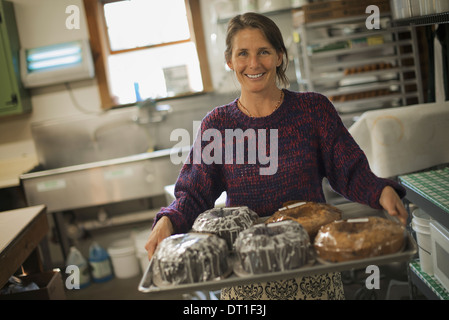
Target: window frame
x: 100, y: 47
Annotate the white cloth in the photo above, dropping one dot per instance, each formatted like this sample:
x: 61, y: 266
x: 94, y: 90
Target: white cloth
x: 170, y: 196
x: 405, y: 139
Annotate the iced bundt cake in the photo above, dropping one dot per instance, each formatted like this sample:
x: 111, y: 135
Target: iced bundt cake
x: 273, y: 247
x: 226, y: 223
x: 190, y: 258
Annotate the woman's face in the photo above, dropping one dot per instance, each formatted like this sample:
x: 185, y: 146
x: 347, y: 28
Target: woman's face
x: 254, y: 60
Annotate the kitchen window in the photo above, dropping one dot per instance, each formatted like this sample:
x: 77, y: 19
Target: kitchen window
x: 147, y: 49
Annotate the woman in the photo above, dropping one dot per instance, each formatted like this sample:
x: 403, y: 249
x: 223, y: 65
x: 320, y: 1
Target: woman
x: 312, y: 143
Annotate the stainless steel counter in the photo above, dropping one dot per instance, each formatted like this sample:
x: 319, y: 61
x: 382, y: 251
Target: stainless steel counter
x: 91, y: 184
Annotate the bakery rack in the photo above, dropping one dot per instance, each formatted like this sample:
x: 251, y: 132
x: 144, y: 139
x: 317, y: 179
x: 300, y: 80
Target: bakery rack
x: 349, y: 210
x: 356, y: 68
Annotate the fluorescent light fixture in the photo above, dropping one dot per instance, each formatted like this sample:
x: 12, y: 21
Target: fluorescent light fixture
x: 53, y: 63
x: 62, y: 62
x: 48, y: 53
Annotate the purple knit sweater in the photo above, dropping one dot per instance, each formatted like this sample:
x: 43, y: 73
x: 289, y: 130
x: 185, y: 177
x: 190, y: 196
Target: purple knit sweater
x: 312, y: 144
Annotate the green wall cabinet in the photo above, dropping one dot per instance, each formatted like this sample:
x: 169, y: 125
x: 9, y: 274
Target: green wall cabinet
x: 14, y: 98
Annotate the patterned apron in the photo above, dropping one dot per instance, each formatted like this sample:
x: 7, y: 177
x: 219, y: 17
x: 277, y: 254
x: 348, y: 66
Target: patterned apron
x: 326, y: 286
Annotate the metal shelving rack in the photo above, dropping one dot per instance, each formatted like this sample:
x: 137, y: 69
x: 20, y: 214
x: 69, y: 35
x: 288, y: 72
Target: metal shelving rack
x: 433, y: 200
x: 424, y: 282
x: 352, y: 94
x: 430, y: 19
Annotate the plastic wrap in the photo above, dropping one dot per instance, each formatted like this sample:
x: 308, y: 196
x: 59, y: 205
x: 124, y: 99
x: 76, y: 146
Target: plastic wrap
x: 190, y: 258
x: 272, y: 247
x: 226, y: 223
x: 351, y: 239
x: 311, y: 215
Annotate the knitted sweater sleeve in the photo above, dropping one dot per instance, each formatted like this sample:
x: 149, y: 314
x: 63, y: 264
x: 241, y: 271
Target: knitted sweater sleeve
x: 345, y: 164
x: 198, y: 184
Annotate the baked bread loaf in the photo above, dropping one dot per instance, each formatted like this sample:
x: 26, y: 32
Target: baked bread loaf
x: 352, y: 239
x: 311, y: 215
x: 190, y: 258
x: 225, y: 222
x: 273, y: 247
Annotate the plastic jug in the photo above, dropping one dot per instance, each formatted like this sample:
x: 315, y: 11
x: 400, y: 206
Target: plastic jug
x: 100, y: 263
x: 75, y: 258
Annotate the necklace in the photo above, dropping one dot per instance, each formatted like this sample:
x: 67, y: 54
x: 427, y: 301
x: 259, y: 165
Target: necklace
x: 278, y: 104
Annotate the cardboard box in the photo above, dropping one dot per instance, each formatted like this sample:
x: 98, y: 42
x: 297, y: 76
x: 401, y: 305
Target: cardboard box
x: 336, y: 9
x: 50, y: 288
x: 342, y: 4
x: 322, y: 6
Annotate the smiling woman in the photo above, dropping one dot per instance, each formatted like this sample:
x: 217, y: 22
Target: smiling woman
x: 270, y: 36
x: 256, y: 55
x: 137, y: 45
x: 311, y: 144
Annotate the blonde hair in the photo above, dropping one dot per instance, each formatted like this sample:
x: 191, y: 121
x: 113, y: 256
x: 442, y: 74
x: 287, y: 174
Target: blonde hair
x: 268, y: 28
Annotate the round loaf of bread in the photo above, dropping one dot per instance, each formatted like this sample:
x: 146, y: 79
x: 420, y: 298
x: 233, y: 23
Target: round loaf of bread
x: 360, y: 238
x: 226, y: 223
x: 311, y: 215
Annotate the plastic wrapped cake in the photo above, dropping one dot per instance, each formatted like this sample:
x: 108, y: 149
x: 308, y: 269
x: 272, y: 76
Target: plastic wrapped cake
x: 351, y: 239
x: 190, y: 258
x: 226, y: 223
x: 311, y: 215
x: 273, y: 247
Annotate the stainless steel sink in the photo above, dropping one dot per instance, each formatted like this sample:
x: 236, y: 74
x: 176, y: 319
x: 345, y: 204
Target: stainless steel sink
x: 91, y: 160
x: 89, y: 138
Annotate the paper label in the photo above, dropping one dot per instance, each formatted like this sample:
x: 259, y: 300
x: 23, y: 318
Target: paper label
x: 358, y: 220
x: 51, y: 185
x: 118, y: 173
x: 298, y: 204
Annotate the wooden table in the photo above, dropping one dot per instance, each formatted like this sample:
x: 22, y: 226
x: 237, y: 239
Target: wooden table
x: 12, y: 168
x: 21, y: 231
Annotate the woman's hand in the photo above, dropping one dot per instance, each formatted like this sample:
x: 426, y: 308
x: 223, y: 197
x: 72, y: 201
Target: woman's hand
x: 161, y: 230
x: 391, y: 202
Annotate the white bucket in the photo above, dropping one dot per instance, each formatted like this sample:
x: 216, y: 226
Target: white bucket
x: 421, y: 218
x: 124, y: 260
x: 420, y: 223
x: 140, y: 239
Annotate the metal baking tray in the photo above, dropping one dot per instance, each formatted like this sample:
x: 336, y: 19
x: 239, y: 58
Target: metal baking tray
x: 349, y: 210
